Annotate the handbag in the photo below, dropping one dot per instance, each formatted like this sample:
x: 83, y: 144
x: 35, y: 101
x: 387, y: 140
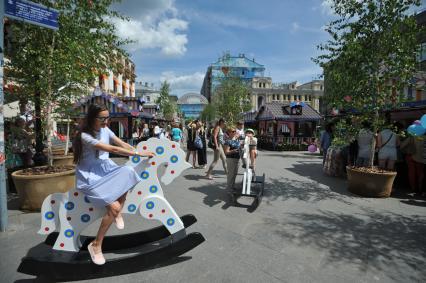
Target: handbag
x: 198, y: 143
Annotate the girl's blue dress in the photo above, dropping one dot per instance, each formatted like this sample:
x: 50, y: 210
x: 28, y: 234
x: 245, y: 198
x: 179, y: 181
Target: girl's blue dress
x: 97, y: 176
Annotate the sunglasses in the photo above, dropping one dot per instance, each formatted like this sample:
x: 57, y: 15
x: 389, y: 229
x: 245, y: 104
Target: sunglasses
x: 102, y: 119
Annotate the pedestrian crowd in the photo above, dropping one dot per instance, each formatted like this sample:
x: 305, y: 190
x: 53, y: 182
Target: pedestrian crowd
x: 387, y: 149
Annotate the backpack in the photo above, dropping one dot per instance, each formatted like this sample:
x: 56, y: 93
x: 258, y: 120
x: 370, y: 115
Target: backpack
x: 198, y: 143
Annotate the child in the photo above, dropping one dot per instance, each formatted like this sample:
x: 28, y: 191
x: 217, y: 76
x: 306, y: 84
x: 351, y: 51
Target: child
x: 252, y: 147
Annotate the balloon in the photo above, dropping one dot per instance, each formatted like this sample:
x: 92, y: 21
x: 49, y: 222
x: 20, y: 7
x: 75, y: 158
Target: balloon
x: 312, y: 148
x: 416, y: 130
x: 423, y: 121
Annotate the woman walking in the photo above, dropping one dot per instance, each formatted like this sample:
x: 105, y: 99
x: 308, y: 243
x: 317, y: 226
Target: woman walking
x: 217, y: 142
x: 202, y: 153
x: 102, y: 181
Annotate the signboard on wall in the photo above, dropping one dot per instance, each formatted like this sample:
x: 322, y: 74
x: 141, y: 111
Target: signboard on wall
x: 33, y: 13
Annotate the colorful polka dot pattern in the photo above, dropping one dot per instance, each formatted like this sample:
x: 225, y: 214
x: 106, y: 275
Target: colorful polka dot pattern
x: 69, y: 205
x: 159, y: 150
x: 131, y: 207
x: 174, y: 159
x: 85, y: 218
x: 153, y: 189
x: 150, y: 205
x: 144, y: 175
x: 49, y: 215
x: 69, y: 233
x: 170, y: 221
x: 136, y: 159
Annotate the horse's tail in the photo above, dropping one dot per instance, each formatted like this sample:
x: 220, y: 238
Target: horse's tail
x: 50, y: 213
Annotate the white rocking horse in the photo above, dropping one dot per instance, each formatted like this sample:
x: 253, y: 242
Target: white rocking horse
x: 71, y: 212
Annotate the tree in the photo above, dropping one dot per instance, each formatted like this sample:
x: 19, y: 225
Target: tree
x: 43, y: 60
x: 370, y: 57
x: 230, y: 100
x: 168, y: 108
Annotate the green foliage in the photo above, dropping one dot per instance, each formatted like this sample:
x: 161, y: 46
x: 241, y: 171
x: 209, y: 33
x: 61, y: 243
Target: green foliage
x: 230, y: 100
x: 370, y: 57
x: 168, y: 108
x: 43, y: 60
x: 208, y: 113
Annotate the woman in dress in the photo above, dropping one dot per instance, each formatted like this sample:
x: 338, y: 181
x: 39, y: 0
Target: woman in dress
x: 190, y: 146
x: 102, y: 181
x: 202, y: 153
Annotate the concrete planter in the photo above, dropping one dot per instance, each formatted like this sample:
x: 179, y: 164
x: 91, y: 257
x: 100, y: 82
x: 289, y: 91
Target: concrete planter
x: 63, y: 159
x: 32, y: 190
x: 370, y: 184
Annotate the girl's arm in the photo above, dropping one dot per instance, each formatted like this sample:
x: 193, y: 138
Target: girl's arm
x: 117, y: 141
x: 122, y: 151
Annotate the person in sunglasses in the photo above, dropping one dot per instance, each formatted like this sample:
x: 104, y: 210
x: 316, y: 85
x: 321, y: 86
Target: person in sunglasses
x: 103, y: 182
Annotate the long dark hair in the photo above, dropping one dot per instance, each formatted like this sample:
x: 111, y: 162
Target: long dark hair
x: 88, y: 127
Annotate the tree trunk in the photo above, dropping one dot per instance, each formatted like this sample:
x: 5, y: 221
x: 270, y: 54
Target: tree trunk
x: 39, y: 157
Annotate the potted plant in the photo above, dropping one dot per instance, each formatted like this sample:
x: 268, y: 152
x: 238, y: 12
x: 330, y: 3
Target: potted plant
x: 50, y: 67
x: 369, y: 59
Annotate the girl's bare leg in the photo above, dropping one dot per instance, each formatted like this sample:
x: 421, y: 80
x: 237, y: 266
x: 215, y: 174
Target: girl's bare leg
x: 113, y: 211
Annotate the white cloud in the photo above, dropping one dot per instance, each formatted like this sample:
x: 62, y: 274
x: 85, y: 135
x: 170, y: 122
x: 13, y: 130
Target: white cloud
x: 153, y: 24
x: 296, y: 27
x: 191, y: 82
x: 227, y: 20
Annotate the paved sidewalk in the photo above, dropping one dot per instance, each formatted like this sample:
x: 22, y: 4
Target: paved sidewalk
x: 308, y: 228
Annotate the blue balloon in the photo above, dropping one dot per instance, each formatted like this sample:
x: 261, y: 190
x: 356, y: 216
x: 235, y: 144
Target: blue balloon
x: 416, y: 130
x: 423, y: 121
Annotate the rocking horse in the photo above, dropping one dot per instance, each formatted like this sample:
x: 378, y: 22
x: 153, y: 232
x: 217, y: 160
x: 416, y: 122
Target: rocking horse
x: 70, y: 213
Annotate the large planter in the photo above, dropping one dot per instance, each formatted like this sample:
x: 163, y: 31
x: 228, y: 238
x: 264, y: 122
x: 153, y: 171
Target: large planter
x: 33, y: 189
x: 63, y: 159
x: 370, y: 184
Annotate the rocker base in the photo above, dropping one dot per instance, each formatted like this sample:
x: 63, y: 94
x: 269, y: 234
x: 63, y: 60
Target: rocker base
x: 258, y: 187
x: 47, y: 263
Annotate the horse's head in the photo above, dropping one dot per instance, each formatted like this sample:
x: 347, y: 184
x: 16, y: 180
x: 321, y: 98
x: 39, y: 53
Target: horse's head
x: 166, y: 152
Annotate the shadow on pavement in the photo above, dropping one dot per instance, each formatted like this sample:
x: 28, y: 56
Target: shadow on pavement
x: 214, y: 195
x: 316, y: 187
x: 415, y: 203
x: 371, y: 240
x: 163, y: 264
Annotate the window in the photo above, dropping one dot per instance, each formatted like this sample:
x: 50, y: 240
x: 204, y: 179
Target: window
x: 288, y: 97
x: 285, y: 129
x: 296, y: 110
x: 321, y: 87
x: 260, y: 84
x: 299, y: 97
x: 306, y: 98
x: 273, y: 97
x: 264, y: 85
x: 294, y: 97
x: 148, y: 99
x: 421, y: 56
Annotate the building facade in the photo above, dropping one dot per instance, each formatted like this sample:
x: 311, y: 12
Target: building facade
x: 264, y: 91
x: 191, y: 105
x: 230, y: 66
x: 147, y: 92
x: 122, y: 83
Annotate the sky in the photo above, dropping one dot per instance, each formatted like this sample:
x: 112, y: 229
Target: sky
x: 176, y: 40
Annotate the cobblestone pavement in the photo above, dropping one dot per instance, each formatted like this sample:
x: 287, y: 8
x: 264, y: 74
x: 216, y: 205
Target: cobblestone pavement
x: 308, y: 228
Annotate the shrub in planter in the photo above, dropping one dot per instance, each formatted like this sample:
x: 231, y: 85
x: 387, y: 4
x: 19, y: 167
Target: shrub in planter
x: 369, y: 60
